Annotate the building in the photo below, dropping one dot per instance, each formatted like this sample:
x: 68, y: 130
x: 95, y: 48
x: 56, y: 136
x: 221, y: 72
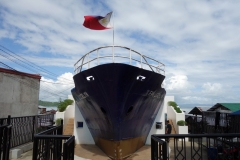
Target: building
x: 19, y: 93
x: 225, y: 107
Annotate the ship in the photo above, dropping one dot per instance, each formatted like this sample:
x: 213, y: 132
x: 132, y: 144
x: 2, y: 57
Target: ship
x: 119, y: 92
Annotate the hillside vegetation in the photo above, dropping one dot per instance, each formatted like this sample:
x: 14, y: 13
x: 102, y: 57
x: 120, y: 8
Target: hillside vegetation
x: 46, y: 103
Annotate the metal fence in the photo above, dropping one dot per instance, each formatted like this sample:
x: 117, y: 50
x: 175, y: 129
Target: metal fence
x: 200, y: 146
x: 234, y: 124
x: 24, y: 128
x: 211, y: 122
x: 5, y: 136
x: 51, y: 145
x: 195, y: 125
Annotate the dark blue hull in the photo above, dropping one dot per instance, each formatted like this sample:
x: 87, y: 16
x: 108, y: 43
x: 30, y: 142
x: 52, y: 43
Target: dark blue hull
x: 117, y: 105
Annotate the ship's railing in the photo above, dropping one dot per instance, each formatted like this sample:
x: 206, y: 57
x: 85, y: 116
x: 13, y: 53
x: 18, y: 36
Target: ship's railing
x: 196, y: 146
x: 118, y: 54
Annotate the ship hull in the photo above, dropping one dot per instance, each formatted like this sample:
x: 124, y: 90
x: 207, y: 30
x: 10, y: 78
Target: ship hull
x: 119, y: 103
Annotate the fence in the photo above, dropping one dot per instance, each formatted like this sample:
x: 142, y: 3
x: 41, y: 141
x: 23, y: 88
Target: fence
x: 51, y: 145
x: 202, y: 146
x: 24, y: 128
x: 212, y: 122
x: 194, y: 124
x: 5, y: 136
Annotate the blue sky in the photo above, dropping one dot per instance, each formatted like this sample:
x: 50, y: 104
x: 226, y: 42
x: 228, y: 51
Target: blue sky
x: 198, y: 41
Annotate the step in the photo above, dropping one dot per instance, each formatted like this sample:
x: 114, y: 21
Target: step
x: 69, y: 128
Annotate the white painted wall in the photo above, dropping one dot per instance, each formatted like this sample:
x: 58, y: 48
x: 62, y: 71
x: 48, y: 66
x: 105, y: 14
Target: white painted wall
x: 183, y: 130
x: 166, y: 100
x: 19, y: 95
x: 175, y: 117
x: 82, y: 135
x: 67, y: 114
x: 59, y: 115
x: 159, y: 118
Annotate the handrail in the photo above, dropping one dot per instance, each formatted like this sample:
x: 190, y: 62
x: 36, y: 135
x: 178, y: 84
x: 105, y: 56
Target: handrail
x: 224, y: 145
x: 85, y: 60
x: 5, y: 139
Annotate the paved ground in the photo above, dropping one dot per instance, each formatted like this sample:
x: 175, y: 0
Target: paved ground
x: 28, y: 156
x: 92, y: 152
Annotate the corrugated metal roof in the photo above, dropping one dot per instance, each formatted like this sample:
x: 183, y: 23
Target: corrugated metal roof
x: 196, y: 111
x: 232, y: 107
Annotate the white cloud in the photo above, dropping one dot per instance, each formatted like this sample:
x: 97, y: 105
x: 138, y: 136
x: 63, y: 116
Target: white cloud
x: 197, y: 40
x: 51, y: 90
x: 195, y: 100
x: 213, y: 89
x: 178, y: 82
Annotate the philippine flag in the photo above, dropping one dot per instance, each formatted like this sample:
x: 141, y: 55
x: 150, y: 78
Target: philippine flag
x: 97, y: 22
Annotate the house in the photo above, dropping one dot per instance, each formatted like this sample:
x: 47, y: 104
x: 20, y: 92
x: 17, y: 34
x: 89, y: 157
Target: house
x: 225, y: 107
x: 19, y: 93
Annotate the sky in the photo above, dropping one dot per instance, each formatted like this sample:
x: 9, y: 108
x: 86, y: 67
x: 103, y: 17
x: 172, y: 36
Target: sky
x: 198, y: 41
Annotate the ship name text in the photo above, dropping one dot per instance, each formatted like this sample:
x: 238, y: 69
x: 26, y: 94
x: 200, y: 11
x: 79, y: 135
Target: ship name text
x: 83, y: 95
x: 153, y: 94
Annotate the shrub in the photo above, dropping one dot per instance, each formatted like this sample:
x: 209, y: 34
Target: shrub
x: 63, y: 105
x: 172, y: 103
x: 178, y: 110
x: 181, y: 123
x: 58, y: 121
x: 68, y: 101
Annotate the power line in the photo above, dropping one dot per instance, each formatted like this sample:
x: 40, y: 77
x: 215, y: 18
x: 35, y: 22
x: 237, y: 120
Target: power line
x: 7, y: 66
x: 34, y: 85
x: 25, y: 61
x: 17, y: 62
x: 49, y: 87
x: 31, y: 66
x: 55, y: 83
x: 59, y: 92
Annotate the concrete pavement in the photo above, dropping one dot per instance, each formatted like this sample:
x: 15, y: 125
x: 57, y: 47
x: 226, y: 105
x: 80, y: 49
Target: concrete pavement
x: 92, y: 152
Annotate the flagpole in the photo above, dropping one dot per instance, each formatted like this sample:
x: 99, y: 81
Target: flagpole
x: 113, y: 39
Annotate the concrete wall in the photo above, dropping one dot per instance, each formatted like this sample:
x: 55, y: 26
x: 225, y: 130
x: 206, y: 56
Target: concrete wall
x: 66, y: 115
x: 159, y: 118
x: 175, y: 117
x: 69, y: 113
x: 19, y: 95
x: 82, y: 135
x: 166, y: 100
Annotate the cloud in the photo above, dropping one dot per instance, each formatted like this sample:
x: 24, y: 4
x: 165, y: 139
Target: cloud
x: 197, y: 41
x: 213, y: 89
x: 51, y: 90
x: 196, y: 100
x: 178, y: 83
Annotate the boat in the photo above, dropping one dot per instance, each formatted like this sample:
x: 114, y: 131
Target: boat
x: 119, y: 93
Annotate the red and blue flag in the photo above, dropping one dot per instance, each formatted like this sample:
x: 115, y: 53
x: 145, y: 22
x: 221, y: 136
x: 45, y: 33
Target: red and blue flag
x: 98, y: 22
